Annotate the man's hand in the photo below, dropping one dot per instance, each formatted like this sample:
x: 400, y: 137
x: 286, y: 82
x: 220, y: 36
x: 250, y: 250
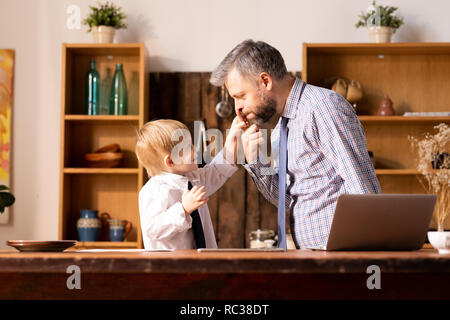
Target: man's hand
x: 233, y: 138
x: 193, y: 199
x: 251, y: 139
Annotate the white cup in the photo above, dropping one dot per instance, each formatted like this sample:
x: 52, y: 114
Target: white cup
x: 440, y: 240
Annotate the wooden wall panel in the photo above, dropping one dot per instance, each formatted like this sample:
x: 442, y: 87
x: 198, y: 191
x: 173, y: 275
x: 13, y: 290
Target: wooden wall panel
x: 238, y: 207
x: 209, y: 97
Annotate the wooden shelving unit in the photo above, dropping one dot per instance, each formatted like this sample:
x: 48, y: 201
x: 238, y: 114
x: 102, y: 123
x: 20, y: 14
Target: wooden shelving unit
x: 112, y: 190
x: 416, y: 78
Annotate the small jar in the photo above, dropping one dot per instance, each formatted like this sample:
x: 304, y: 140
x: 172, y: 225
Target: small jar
x: 261, y: 239
x: 372, y: 158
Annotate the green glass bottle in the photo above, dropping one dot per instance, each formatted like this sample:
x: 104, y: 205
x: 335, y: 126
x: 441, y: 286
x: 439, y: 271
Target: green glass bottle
x: 92, y: 91
x: 119, y: 97
x: 105, y: 92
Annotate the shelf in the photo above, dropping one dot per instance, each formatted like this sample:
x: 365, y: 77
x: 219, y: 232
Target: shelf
x: 101, y: 118
x: 396, y: 172
x: 126, y: 49
x: 101, y: 170
x: 106, y: 244
x: 405, y: 172
x: 404, y: 119
x: 399, y: 48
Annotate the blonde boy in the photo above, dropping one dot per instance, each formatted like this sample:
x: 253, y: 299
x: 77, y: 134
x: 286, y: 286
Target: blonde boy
x: 169, y: 211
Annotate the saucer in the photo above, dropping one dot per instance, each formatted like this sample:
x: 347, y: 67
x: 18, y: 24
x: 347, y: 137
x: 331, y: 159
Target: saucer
x: 41, y: 245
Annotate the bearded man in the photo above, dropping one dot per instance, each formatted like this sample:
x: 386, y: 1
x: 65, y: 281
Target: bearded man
x: 322, y: 146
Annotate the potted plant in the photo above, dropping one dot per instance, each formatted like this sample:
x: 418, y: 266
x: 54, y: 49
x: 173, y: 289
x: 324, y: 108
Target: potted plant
x: 104, y: 20
x: 382, y: 22
x: 435, y: 177
x: 6, y: 198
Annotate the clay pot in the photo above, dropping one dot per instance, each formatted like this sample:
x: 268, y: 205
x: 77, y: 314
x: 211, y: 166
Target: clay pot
x: 103, y: 34
x: 354, y: 92
x: 386, y: 107
x: 340, y: 86
x: 380, y: 34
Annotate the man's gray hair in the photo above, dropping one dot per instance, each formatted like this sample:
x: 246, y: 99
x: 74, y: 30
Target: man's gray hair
x: 250, y: 58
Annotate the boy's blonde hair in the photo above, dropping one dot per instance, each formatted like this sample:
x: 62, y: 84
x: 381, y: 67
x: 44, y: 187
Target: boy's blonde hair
x: 154, y: 141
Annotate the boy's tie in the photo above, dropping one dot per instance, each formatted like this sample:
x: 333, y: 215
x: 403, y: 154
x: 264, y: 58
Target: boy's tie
x: 197, y: 226
x: 282, y: 185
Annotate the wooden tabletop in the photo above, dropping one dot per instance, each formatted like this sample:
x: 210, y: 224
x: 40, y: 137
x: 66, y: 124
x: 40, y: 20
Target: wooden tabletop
x: 180, y: 261
x: 192, y: 275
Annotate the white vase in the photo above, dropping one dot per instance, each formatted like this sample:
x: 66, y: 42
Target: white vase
x: 380, y: 34
x: 440, y: 240
x: 103, y: 34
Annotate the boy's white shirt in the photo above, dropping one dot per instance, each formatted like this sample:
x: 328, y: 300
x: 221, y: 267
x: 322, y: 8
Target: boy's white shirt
x: 164, y: 223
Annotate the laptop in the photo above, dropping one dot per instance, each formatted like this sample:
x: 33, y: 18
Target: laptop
x: 382, y: 222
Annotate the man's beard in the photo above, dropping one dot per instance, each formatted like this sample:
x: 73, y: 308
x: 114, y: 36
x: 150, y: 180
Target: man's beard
x: 265, y: 110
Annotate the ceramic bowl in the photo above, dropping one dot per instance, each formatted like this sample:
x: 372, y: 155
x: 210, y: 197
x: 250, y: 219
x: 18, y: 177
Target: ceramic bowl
x: 440, y: 241
x: 114, y: 147
x: 104, y: 159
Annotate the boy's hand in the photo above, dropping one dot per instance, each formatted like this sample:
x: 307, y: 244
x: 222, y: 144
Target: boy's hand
x: 193, y: 199
x: 237, y: 127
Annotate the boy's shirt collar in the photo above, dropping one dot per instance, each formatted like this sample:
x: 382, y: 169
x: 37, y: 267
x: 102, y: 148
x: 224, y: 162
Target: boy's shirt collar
x: 175, y: 180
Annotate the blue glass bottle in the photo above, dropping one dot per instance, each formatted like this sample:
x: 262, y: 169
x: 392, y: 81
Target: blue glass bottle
x: 119, y: 97
x: 92, y: 90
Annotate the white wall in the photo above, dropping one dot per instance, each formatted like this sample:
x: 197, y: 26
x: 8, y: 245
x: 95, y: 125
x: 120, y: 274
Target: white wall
x: 181, y: 35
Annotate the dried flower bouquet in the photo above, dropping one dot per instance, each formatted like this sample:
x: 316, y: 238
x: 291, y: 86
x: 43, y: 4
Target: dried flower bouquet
x: 433, y: 162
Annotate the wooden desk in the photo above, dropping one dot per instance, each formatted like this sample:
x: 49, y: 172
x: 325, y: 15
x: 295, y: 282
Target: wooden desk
x: 188, y: 274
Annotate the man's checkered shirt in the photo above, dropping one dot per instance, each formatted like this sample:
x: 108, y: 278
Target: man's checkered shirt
x: 327, y: 156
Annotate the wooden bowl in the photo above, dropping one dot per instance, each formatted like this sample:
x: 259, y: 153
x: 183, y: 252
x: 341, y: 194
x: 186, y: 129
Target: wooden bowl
x: 104, y: 159
x: 109, y: 148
